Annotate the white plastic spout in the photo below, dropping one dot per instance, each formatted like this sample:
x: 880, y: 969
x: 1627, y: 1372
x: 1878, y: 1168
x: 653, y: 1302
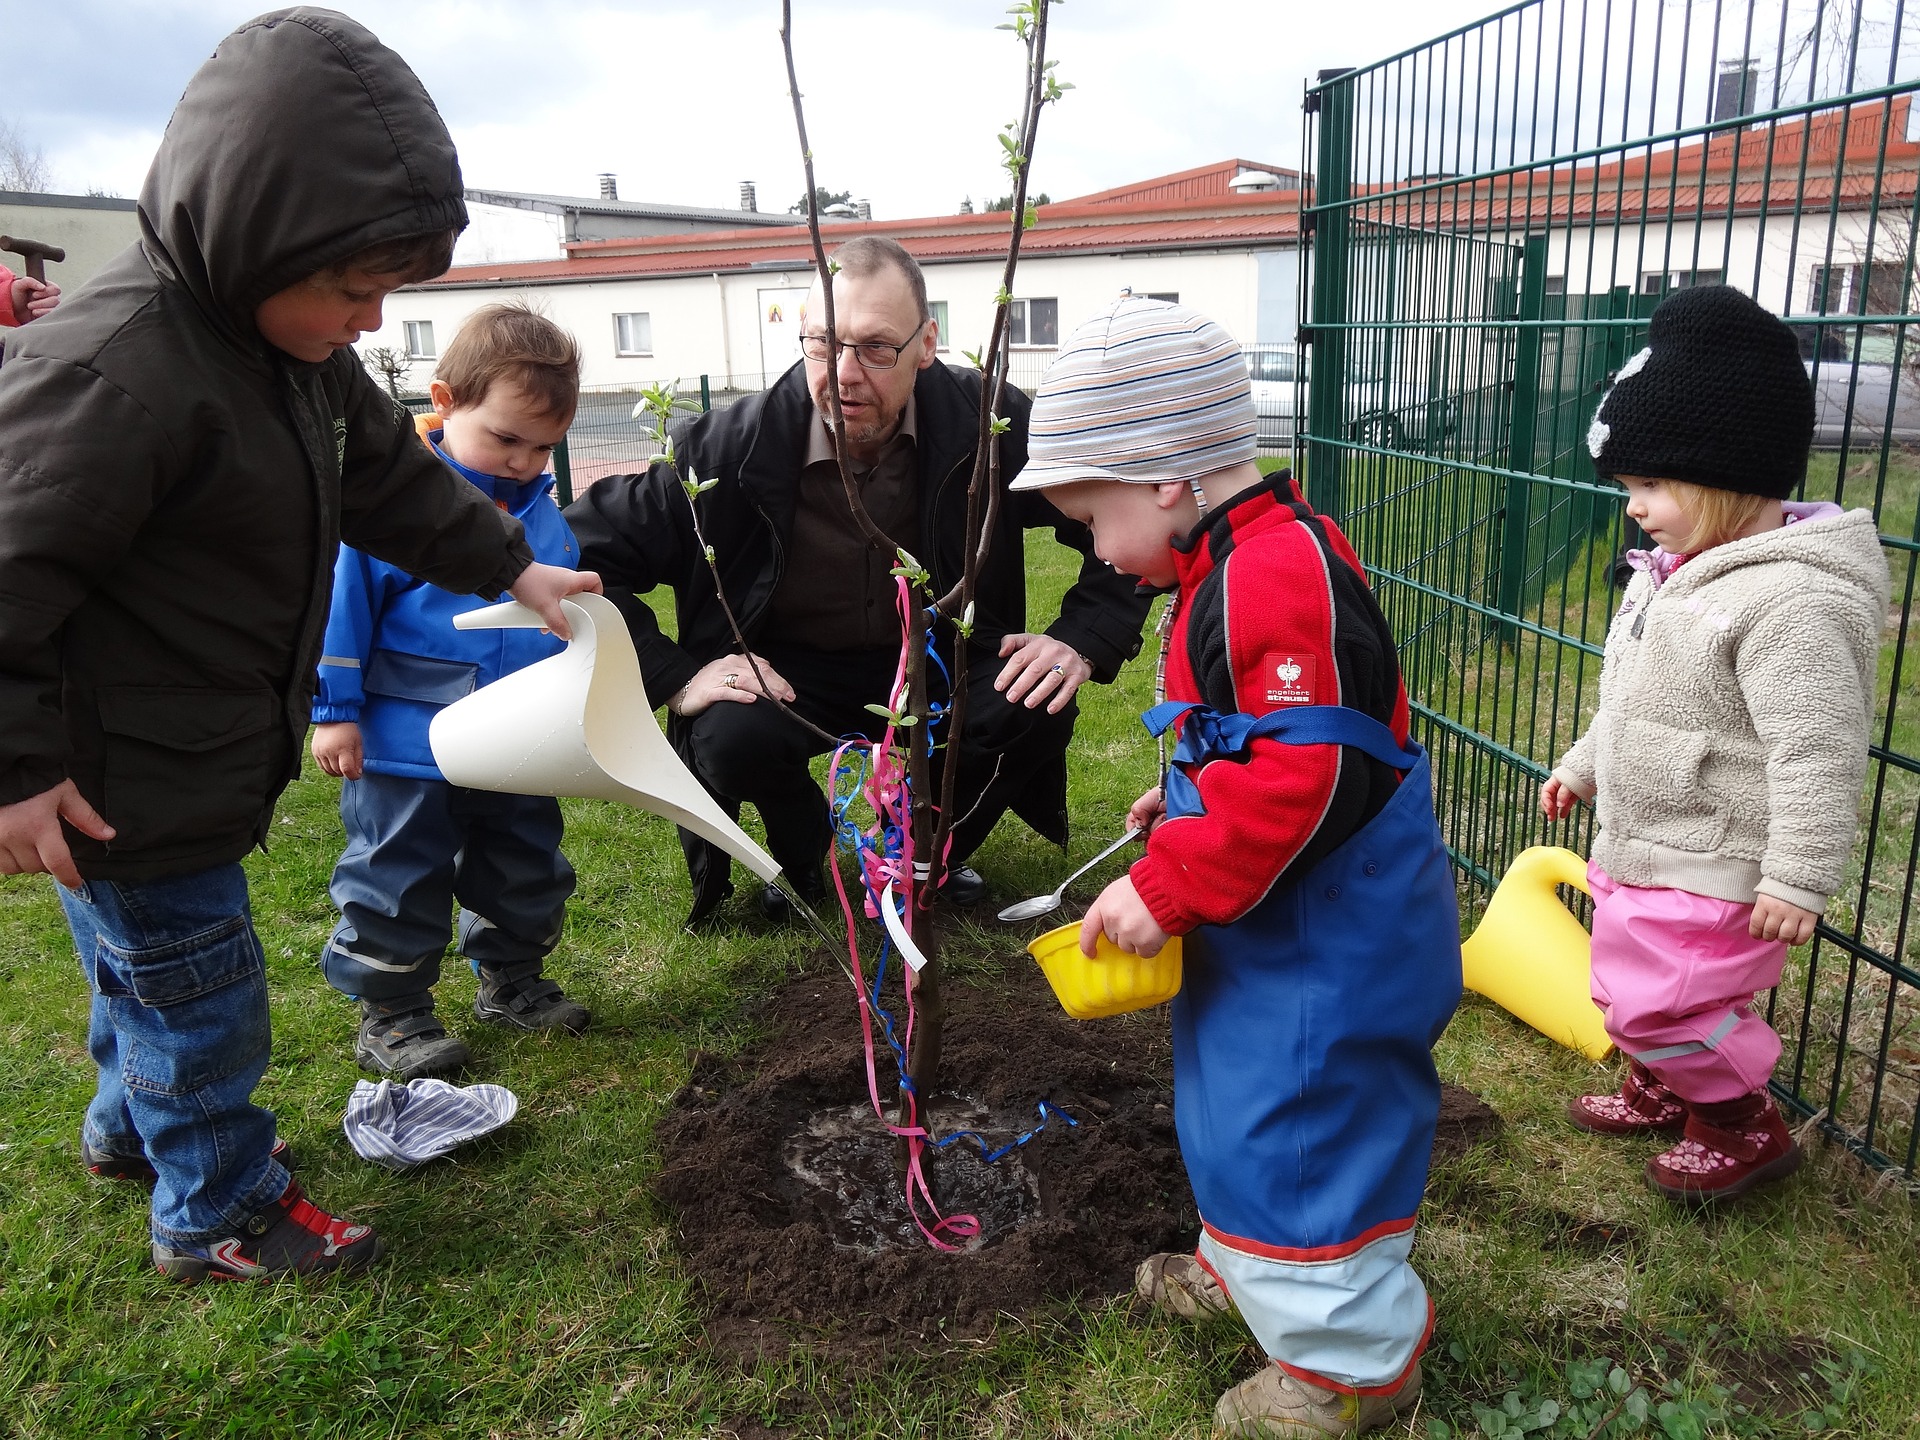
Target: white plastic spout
x: 578, y: 723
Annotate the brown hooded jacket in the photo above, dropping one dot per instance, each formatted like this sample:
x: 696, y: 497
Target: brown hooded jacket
x: 173, y: 490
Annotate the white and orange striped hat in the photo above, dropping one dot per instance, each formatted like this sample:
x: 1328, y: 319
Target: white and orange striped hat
x: 1144, y: 392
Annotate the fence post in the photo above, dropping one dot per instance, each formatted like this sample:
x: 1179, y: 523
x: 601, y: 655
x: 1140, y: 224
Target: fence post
x: 563, y: 473
x: 1522, y: 418
x: 1332, y: 233
x: 706, y: 395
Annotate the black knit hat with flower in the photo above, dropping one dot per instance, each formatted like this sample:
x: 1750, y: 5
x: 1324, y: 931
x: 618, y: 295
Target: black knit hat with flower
x: 1719, y: 397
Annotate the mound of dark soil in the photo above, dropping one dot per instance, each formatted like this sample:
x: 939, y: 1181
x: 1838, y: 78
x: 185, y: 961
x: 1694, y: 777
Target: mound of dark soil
x: 750, y: 1167
x: 788, y: 1199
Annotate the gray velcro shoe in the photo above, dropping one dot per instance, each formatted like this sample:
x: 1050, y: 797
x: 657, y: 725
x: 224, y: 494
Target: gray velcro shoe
x: 528, y: 1001
x: 403, y: 1039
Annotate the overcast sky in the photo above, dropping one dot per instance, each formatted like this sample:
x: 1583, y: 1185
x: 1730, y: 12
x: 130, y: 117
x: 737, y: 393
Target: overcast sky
x: 684, y: 101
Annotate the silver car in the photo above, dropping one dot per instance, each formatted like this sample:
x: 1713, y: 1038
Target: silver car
x: 1272, y: 368
x: 1861, y: 403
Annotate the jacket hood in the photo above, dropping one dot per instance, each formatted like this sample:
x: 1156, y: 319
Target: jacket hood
x: 301, y: 141
x: 1844, y: 545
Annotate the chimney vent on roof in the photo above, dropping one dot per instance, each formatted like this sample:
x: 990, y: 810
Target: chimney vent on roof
x: 749, y: 199
x: 1735, y: 88
x: 609, y: 189
x: 863, y: 208
x: 966, y: 206
x: 1251, y: 182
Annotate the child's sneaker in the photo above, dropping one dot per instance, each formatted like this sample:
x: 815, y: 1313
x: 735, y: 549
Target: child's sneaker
x: 111, y: 1165
x: 1274, y: 1405
x: 1727, y: 1150
x: 405, y: 1039
x: 1643, y: 1106
x: 1181, y: 1285
x: 521, y: 998
x: 291, y: 1236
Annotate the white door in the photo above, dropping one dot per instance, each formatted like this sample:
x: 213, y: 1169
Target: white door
x: 780, y: 330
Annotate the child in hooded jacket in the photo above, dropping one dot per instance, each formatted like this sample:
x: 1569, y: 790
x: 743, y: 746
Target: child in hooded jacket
x: 1726, y: 756
x: 182, y: 447
x: 503, y: 396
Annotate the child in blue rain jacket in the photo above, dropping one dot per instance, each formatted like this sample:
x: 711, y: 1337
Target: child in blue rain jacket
x: 505, y: 393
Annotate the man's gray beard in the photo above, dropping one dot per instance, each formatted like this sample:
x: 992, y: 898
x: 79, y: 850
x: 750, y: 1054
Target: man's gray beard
x: 864, y: 435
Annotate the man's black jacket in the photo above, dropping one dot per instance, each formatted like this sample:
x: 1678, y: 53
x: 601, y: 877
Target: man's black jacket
x: 636, y: 531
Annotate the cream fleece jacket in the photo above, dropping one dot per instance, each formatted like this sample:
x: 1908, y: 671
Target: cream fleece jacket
x: 1735, y: 705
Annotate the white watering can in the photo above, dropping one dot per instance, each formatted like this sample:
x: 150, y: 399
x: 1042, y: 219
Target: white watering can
x: 578, y: 723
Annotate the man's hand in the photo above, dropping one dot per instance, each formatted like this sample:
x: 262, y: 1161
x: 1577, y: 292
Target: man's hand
x: 729, y: 678
x: 1148, y: 811
x: 1557, y: 799
x: 1122, y: 916
x: 542, y: 587
x: 1774, y: 919
x: 32, y: 298
x: 30, y: 838
x: 338, y: 749
x: 1039, y: 668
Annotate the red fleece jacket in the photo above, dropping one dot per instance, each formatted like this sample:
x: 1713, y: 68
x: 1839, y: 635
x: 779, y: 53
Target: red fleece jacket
x: 7, y: 317
x: 1274, y: 612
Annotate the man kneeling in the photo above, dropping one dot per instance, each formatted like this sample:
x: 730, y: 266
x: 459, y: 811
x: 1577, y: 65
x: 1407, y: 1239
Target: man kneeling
x: 817, y: 601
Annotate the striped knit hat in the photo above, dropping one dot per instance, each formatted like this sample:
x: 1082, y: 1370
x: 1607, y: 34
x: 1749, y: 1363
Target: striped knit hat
x: 1144, y: 392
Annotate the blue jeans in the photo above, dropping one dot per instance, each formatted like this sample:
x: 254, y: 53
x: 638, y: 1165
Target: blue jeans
x: 179, y: 1031
x: 414, y: 849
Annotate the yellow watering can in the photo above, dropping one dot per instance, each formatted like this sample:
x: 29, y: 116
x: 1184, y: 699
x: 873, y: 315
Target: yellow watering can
x: 1532, y: 958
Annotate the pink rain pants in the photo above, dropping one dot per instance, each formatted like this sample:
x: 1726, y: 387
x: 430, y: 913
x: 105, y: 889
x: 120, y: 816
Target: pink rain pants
x: 1676, y: 975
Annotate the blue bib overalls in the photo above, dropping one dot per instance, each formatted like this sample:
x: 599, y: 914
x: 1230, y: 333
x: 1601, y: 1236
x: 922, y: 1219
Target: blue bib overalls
x: 1305, y: 1094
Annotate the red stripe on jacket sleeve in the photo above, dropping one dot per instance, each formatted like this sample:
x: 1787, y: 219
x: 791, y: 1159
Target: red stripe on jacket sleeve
x: 1260, y: 813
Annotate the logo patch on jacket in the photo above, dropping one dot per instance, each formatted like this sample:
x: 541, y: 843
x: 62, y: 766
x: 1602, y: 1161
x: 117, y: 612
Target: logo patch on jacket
x: 1288, y: 677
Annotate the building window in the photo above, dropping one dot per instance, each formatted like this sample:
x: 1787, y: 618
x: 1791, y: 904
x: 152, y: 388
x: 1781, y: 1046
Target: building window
x: 633, y: 334
x: 1034, y: 322
x: 1850, y: 290
x: 939, y: 311
x: 1555, y: 285
x: 1659, y: 282
x: 1172, y: 297
x: 419, y: 335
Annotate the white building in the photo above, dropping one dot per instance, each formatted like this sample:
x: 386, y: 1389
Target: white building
x: 725, y: 304
x: 514, y: 226
x: 92, y: 229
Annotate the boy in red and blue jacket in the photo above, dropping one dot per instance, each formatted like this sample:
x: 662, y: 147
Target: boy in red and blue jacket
x: 1293, y: 845
x: 505, y: 391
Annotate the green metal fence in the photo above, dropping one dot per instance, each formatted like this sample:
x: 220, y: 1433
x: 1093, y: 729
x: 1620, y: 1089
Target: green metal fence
x: 1494, y: 216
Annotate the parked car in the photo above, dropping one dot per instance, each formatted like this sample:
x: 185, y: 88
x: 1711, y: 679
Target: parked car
x: 1843, y: 390
x: 1272, y: 367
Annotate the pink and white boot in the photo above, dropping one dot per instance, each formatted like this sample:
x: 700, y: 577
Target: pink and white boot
x: 1727, y: 1149
x: 1642, y: 1106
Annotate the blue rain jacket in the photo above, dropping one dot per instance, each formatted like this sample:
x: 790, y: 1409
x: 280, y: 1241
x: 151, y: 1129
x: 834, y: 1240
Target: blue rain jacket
x: 392, y: 659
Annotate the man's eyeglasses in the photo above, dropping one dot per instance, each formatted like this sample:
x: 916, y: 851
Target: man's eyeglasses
x: 872, y: 354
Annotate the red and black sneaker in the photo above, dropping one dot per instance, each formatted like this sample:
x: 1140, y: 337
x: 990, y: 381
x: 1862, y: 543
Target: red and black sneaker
x: 111, y: 1165
x: 1728, y: 1149
x: 292, y: 1236
x: 1643, y: 1106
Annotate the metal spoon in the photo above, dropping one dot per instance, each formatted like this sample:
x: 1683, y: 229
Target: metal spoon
x: 1041, y: 904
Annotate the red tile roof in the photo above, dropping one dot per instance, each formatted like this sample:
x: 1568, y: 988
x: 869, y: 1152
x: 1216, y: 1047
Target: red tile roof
x: 1205, y: 182
x: 1078, y: 227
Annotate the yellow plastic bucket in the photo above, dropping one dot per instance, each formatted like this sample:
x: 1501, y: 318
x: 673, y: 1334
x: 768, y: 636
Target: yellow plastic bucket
x: 1113, y: 982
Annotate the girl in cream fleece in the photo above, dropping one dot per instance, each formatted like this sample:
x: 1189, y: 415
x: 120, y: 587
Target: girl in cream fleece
x: 1726, y: 757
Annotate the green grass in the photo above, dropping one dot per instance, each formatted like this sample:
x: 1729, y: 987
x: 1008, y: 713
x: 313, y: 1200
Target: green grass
x: 534, y: 1288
